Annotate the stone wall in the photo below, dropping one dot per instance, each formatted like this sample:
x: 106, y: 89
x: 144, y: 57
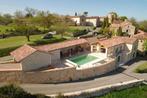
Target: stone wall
x: 56, y: 75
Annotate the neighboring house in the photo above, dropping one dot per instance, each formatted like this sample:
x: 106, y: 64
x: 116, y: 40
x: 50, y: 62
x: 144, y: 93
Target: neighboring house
x: 79, y: 20
x: 85, y: 21
x: 93, y: 21
x: 142, y: 37
x: 102, y: 19
x: 126, y: 27
x: 123, y: 49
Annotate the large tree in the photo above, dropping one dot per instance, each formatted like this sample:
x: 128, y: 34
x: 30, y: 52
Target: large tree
x: 24, y: 28
x: 143, y: 25
x: 60, y: 28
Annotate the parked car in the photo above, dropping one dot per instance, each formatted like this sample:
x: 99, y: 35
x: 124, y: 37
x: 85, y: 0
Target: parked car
x: 47, y: 36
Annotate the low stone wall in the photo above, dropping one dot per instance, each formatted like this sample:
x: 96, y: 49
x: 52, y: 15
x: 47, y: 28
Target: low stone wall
x: 99, y: 91
x: 56, y: 75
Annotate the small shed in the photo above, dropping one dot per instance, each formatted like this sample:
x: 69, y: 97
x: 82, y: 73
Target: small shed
x: 30, y: 58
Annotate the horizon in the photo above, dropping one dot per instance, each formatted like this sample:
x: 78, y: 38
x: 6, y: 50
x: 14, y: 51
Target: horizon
x: 127, y: 8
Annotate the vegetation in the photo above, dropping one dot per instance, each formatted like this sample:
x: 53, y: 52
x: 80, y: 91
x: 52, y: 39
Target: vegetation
x: 142, y: 68
x: 10, y: 44
x: 13, y: 91
x: 123, y: 18
x: 135, y: 92
x: 31, y: 21
x: 143, y: 25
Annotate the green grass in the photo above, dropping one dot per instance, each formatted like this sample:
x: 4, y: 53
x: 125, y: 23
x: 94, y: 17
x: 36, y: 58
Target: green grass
x: 9, y: 44
x: 142, y: 68
x: 135, y: 92
x: 17, y: 41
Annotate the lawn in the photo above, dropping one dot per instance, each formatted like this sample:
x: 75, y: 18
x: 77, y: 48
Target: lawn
x: 9, y: 44
x: 17, y: 41
x: 135, y: 92
x: 142, y: 68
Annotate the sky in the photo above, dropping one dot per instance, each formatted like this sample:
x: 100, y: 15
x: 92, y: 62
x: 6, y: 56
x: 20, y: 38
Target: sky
x: 130, y: 8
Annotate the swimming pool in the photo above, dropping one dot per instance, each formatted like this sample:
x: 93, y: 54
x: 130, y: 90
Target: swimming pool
x: 81, y: 60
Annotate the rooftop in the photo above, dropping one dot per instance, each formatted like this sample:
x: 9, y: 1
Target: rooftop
x: 116, y: 41
x: 22, y: 52
x: 51, y: 47
x: 141, y: 35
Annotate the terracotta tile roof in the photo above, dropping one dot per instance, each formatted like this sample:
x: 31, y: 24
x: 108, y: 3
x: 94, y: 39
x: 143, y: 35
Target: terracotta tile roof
x: 22, y: 52
x: 51, y: 47
x: 116, y: 41
x: 141, y: 35
x: 92, y: 40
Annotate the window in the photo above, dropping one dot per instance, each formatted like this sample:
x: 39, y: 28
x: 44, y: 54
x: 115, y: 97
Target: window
x: 118, y: 59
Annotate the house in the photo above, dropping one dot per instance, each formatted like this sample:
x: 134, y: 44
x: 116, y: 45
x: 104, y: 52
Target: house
x: 93, y: 21
x: 78, y: 20
x: 142, y: 37
x: 126, y: 27
x: 79, y: 53
x: 32, y: 58
x: 123, y: 49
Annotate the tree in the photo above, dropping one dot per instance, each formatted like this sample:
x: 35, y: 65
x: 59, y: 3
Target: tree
x: 105, y: 24
x: 107, y: 32
x: 134, y: 22
x: 24, y: 28
x: 143, y: 25
x: 123, y: 18
x: 60, y: 28
x: 18, y: 14
x: 145, y: 45
x: 119, y: 32
x: 30, y: 12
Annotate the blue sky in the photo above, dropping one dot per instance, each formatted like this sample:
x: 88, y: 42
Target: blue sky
x: 130, y: 8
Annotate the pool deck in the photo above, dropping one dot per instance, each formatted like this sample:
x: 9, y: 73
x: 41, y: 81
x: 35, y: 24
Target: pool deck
x: 96, y: 62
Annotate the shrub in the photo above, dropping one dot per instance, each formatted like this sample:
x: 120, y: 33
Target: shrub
x: 79, y: 33
x: 6, y: 51
x: 13, y: 91
x: 48, y: 41
x: 141, y: 68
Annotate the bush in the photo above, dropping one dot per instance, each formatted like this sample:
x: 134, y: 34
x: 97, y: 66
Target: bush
x: 6, y: 51
x: 48, y: 41
x: 141, y: 68
x: 79, y: 33
x: 13, y: 91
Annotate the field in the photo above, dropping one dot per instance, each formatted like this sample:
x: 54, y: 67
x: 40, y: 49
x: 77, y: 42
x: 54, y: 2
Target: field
x: 135, y: 92
x: 9, y: 44
x: 17, y: 41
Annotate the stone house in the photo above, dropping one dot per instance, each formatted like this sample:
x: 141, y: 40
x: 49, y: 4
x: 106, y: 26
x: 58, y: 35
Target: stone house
x: 123, y: 49
x: 142, y: 37
x: 92, y: 21
x: 126, y: 27
x: 33, y: 58
x: 78, y: 20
